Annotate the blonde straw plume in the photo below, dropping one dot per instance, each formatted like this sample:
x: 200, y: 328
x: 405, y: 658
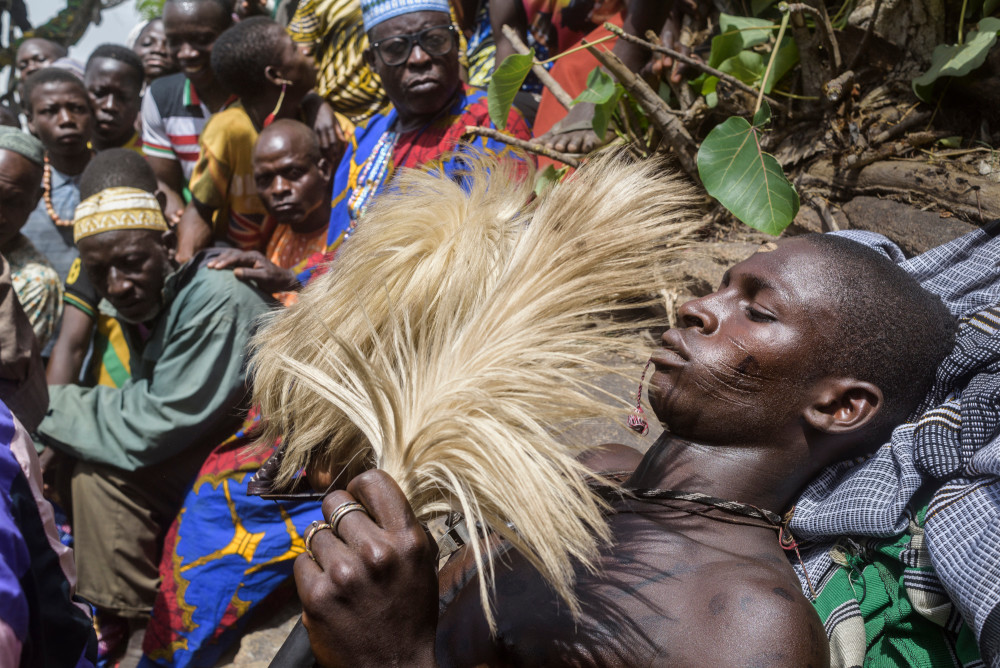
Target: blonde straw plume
x: 460, y: 330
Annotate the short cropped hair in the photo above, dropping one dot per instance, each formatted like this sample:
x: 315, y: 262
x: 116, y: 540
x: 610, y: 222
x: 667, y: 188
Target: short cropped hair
x: 60, y: 49
x: 225, y: 5
x: 890, y: 331
x: 242, y: 52
x: 49, y: 75
x: 8, y: 117
x: 121, y: 54
x: 315, y: 154
x: 116, y: 168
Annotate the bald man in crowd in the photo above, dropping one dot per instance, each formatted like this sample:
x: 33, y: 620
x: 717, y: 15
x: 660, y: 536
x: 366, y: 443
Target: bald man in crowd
x: 294, y: 181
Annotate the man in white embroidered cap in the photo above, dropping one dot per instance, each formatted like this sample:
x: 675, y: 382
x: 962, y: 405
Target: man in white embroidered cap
x: 136, y: 448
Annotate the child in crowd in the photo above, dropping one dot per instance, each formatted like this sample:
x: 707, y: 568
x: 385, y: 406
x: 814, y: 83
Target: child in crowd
x: 59, y: 113
x: 177, y: 106
x: 256, y: 60
x: 114, y: 77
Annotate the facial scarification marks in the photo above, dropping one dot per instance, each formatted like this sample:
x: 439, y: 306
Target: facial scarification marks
x: 748, y: 367
x: 717, y: 605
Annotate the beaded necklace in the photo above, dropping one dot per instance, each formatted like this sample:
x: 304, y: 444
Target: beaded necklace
x: 47, y: 195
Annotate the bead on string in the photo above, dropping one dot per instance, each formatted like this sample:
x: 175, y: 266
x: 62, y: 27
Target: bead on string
x: 637, y: 419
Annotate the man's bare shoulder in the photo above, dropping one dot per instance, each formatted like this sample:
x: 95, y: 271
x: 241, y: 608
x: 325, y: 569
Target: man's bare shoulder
x: 659, y: 597
x: 750, y: 613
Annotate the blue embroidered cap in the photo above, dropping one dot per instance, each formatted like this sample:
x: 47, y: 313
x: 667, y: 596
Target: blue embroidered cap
x: 374, y: 12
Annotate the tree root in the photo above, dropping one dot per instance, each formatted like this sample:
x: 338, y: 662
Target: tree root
x: 969, y: 196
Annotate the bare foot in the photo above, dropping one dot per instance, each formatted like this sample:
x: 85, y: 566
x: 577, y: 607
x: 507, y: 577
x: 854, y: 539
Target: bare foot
x: 573, y: 134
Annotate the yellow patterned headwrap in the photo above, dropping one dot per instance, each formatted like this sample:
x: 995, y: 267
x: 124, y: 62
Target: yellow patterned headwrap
x: 117, y: 209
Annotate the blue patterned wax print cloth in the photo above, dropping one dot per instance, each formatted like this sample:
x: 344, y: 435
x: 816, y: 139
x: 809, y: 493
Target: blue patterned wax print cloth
x: 223, y: 556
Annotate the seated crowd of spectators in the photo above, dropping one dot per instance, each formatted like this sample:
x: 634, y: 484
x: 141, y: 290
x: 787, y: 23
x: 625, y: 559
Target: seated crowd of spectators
x: 154, y: 202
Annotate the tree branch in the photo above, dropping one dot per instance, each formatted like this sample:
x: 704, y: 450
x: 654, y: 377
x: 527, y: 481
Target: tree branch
x: 543, y: 74
x: 823, y: 20
x: 696, y: 64
x: 868, y: 35
x: 529, y: 146
x: 659, y: 114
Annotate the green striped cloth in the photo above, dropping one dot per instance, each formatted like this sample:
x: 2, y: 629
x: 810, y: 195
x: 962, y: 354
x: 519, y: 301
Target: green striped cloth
x: 883, y: 606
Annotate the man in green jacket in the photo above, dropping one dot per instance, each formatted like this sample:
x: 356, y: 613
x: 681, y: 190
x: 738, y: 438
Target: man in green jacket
x: 139, y: 446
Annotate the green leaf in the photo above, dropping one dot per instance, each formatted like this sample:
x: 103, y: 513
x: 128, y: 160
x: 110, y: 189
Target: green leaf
x: 604, y: 110
x: 706, y: 85
x: 603, y: 92
x: 548, y: 178
x: 758, y: 6
x: 951, y: 142
x: 763, y: 115
x: 990, y: 6
x: 506, y: 81
x: 666, y: 93
x: 958, y: 60
x: 747, y: 66
x: 747, y: 181
x: 600, y: 87
x: 737, y: 33
x: 786, y: 58
x: 149, y: 9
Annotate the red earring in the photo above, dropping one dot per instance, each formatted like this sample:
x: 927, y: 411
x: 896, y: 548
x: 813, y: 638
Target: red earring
x: 637, y: 419
x: 281, y: 98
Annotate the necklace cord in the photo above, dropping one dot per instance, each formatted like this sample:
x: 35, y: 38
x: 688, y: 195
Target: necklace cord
x: 767, y: 519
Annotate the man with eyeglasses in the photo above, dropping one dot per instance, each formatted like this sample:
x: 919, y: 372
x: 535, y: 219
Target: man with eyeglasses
x: 414, y: 50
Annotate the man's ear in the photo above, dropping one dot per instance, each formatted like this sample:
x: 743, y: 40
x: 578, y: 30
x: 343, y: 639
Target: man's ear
x: 38, y: 196
x: 844, y: 405
x: 161, y: 197
x: 272, y: 74
x: 169, y: 240
x: 325, y: 168
x: 369, y: 57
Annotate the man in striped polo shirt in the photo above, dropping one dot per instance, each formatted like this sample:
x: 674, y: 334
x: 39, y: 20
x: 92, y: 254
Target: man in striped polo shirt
x: 176, y: 107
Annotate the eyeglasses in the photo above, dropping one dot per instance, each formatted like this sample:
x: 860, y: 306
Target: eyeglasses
x: 435, y: 41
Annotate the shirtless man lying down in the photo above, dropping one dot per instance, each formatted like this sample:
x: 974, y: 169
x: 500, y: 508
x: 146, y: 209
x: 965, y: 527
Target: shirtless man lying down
x: 809, y: 353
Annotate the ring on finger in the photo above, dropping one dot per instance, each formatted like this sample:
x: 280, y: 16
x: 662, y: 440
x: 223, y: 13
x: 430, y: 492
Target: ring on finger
x: 310, y: 532
x: 337, y: 516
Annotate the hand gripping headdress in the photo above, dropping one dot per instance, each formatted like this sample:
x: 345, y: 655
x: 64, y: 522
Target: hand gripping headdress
x: 460, y: 329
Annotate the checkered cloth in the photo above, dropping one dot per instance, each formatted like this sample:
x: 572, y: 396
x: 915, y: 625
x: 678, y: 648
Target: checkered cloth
x: 953, y: 445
